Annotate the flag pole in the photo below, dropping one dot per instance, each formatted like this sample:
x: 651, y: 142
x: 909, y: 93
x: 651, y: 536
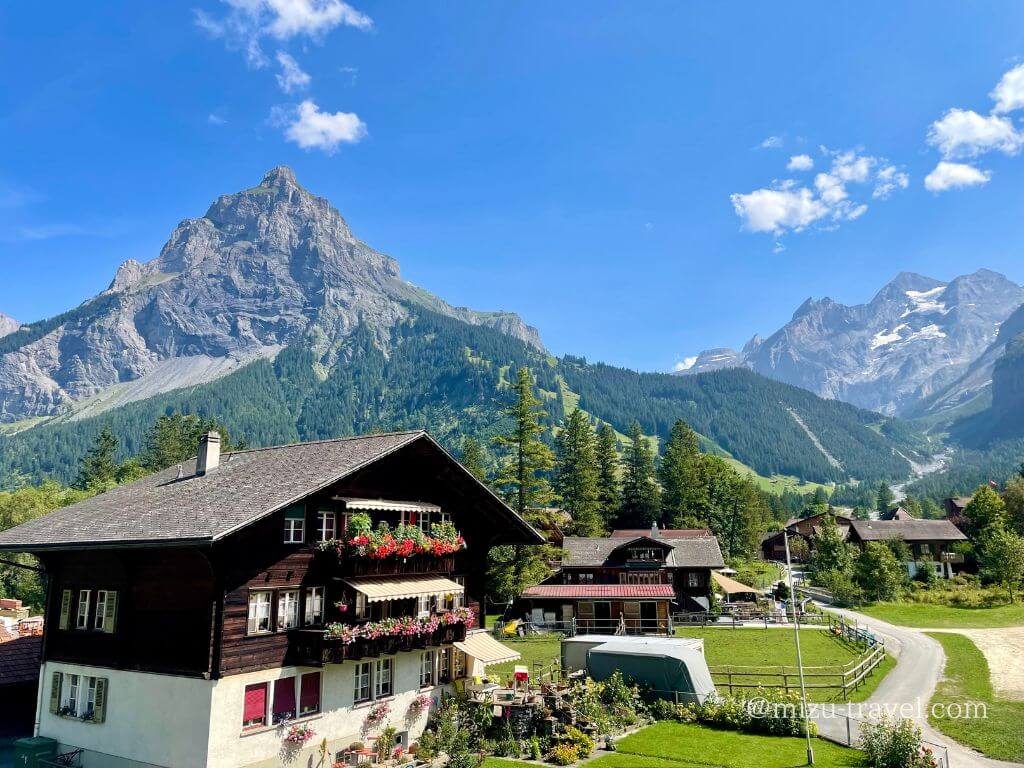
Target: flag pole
x: 799, y: 656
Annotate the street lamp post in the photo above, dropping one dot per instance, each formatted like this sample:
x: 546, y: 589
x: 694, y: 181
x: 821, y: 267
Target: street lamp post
x: 799, y: 656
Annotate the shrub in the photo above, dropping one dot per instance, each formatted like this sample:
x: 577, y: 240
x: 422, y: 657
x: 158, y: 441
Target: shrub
x: 564, y: 754
x: 535, y: 751
x: 582, y: 742
x: 892, y: 743
x: 507, y: 744
x: 662, y: 709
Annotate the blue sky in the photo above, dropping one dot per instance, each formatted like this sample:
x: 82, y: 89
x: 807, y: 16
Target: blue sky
x: 616, y: 173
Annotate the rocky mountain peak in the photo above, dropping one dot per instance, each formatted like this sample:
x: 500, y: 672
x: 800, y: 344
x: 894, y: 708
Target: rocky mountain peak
x: 8, y: 324
x: 265, y: 268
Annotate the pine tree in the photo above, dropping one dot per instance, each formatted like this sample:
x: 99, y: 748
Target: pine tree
x: 98, y: 467
x: 608, y: 491
x: 174, y: 437
x: 522, y: 478
x: 640, y: 493
x: 885, y: 498
x: 474, y: 459
x: 577, y: 475
x: 678, y: 474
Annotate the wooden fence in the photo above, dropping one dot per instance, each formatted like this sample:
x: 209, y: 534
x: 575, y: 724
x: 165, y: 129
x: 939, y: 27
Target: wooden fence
x: 843, y: 680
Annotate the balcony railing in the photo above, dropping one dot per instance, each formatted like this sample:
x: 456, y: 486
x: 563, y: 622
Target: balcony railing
x: 393, y: 566
x: 309, y: 647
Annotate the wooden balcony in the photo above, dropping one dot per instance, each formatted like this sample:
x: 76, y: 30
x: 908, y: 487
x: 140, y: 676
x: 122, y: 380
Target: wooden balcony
x: 392, y: 566
x: 309, y: 647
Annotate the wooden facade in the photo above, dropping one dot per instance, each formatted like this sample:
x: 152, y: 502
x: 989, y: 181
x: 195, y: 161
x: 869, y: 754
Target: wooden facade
x: 184, y: 609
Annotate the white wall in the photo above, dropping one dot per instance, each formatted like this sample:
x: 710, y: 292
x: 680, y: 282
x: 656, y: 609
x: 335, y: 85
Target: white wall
x: 158, y: 719
x: 340, y: 722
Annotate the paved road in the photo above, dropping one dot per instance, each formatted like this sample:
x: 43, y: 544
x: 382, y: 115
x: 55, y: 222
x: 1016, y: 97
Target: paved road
x: 908, y: 687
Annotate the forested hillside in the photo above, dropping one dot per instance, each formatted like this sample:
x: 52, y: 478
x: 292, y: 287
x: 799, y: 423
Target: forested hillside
x: 452, y: 378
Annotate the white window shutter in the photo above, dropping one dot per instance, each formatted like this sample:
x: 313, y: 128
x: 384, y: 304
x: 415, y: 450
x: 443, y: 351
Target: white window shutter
x: 55, y: 693
x: 110, y: 612
x: 65, y: 608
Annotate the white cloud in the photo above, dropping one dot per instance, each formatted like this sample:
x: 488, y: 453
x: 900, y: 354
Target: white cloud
x: 310, y: 128
x: 787, y: 206
x: 352, y: 72
x: 954, y: 176
x: 772, y: 142
x: 214, y: 119
x: 965, y: 133
x: 800, y: 163
x: 778, y: 210
x: 888, y: 180
x: 685, y: 364
x: 1009, y: 93
x: 291, y: 78
x: 247, y: 21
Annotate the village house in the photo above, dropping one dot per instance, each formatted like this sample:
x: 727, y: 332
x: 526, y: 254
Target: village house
x: 773, y: 545
x: 632, y: 580
x: 198, y: 616
x: 930, y: 542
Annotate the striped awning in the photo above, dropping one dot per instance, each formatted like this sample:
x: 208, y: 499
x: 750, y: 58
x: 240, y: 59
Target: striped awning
x: 485, y: 649
x: 386, y: 505
x: 377, y: 590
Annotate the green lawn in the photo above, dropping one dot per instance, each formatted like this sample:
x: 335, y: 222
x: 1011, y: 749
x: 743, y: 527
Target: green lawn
x: 752, y: 647
x: 678, y: 745
x: 749, y: 647
x: 946, y: 617
x: 1000, y: 733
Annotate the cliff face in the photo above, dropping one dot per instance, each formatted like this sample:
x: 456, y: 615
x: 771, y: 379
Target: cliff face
x: 263, y: 268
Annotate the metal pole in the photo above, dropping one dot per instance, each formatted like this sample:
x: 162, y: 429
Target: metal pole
x: 799, y: 656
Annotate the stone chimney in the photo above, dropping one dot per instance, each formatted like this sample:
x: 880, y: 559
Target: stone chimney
x: 209, y: 453
x: 654, y: 530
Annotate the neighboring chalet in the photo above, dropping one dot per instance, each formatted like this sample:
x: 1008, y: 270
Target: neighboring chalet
x: 954, y: 508
x: 773, y: 545
x: 898, y: 514
x: 631, y: 579
x: 930, y: 541
x: 195, y: 615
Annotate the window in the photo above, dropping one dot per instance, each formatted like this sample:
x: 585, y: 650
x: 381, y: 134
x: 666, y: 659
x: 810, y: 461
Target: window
x: 295, y: 525
x: 419, y: 519
x: 259, y: 612
x: 360, y: 605
x: 443, y: 518
x: 101, y: 608
x: 288, y: 609
x: 383, y: 682
x: 83, y: 609
x: 426, y: 669
x: 693, y: 580
x: 71, y: 699
x: 458, y: 665
x: 644, y: 553
x: 78, y: 696
x: 89, y: 705
x: 639, y: 578
x: 314, y: 605
x: 284, y: 699
x: 326, y: 524
x: 361, y: 689
x: 309, y: 694
x: 254, y: 712
x: 456, y: 599
x: 444, y: 665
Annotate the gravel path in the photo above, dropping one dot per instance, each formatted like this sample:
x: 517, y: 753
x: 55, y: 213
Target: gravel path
x: 1004, y: 651
x: 905, y: 692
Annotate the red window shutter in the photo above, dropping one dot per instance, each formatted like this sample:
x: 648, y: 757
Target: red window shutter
x: 255, y: 702
x: 310, y: 693
x: 284, y: 698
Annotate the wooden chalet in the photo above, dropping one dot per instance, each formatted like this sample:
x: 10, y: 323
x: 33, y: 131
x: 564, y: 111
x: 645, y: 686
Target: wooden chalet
x: 930, y: 542
x: 197, y: 615
x: 628, y: 581
x: 773, y: 545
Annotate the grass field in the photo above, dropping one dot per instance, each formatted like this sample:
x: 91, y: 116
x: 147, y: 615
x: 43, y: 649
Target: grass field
x: 678, y: 745
x: 749, y: 647
x: 1000, y: 734
x: 927, y: 615
x: 752, y: 647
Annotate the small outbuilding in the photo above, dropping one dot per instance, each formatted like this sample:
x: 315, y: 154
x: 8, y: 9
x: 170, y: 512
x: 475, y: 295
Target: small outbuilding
x: 671, y: 667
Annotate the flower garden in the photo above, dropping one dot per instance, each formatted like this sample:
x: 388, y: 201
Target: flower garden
x: 404, y: 627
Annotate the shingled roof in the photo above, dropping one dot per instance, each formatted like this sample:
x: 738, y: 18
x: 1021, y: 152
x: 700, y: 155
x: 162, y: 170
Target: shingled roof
x: 690, y: 552
x: 246, y: 486
x: 908, y: 530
